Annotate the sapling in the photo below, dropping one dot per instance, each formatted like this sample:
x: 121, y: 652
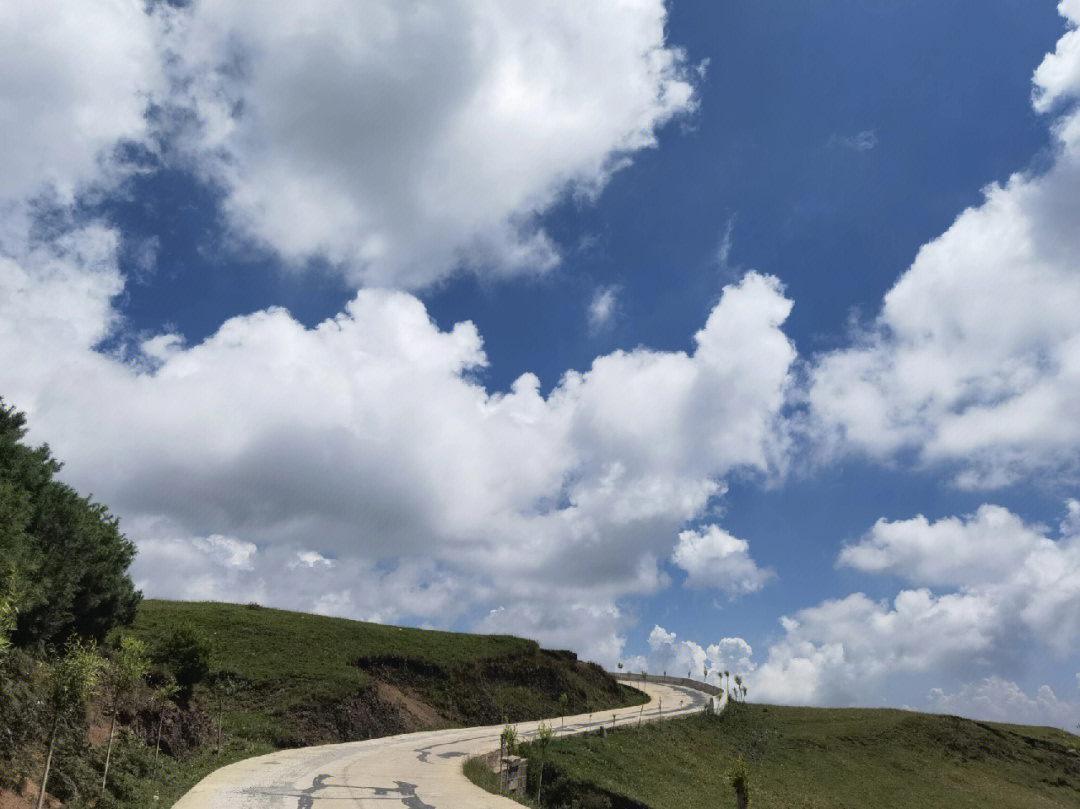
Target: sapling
x: 543, y: 740
x: 224, y: 687
x: 164, y: 696
x: 71, y: 681
x: 122, y: 673
x: 507, y: 746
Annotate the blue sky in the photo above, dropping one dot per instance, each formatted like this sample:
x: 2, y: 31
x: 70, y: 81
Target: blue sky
x: 241, y: 251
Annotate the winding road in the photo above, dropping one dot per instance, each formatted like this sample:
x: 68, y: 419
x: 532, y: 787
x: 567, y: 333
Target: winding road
x: 414, y: 770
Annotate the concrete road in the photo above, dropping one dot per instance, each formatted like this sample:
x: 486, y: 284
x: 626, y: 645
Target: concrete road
x: 414, y: 770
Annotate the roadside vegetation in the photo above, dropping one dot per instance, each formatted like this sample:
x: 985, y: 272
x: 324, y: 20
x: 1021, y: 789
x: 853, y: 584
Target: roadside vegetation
x: 812, y: 758
x: 110, y: 701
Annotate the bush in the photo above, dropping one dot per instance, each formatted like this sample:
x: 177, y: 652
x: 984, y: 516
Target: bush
x: 186, y: 653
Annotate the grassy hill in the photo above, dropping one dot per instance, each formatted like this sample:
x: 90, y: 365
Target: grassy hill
x: 808, y: 758
x: 305, y: 679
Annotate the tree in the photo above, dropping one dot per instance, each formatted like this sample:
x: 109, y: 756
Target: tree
x: 69, y: 550
x: 740, y: 782
x: 70, y: 683
x: 727, y: 678
x: 186, y: 652
x: 564, y: 701
x: 122, y: 674
x: 738, y: 684
x: 543, y: 741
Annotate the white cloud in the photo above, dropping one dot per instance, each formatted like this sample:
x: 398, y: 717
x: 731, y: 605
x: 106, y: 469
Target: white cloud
x: 996, y: 700
x: 367, y: 439
x: 75, y: 78
x: 678, y: 658
x: 228, y: 569
x: 1015, y: 587
x: 399, y: 140
x: 838, y: 651
x: 593, y: 628
x: 982, y: 548
x: 310, y: 559
x: 1032, y: 580
x: 974, y: 359
x: 862, y: 141
x: 714, y: 558
x: 1058, y: 77
x: 603, y: 307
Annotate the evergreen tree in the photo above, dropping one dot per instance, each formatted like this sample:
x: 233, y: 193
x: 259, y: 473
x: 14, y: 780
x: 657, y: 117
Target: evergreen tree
x: 66, y: 549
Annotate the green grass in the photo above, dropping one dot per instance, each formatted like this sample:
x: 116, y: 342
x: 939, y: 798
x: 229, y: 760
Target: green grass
x: 297, y: 653
x: 295, y: 671
x: 807, y: 758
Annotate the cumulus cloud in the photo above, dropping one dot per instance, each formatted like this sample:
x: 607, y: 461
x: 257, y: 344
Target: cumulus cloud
x: 836, y: 652
x: 225, y: 568
x: 401, y: 140
x: 68, y: 96
x: 681, y: 657
x: 984, y: 547
x: 996, y: 700
x: 972, y: 362
x: 368, y: 440
x: 1013, y: 586
x: 713, y: 558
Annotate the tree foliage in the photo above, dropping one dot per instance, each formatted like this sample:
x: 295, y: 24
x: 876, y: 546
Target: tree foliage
x: 66, y: 549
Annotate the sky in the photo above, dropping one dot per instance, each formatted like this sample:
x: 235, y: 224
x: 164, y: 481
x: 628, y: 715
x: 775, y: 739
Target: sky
x: 694, y: 336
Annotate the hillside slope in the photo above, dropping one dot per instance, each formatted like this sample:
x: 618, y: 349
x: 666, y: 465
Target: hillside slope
x: 814, y: 758
x: 305, y: 679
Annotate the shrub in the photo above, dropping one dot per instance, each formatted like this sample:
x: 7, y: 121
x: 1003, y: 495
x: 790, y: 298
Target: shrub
x: 186, y: 652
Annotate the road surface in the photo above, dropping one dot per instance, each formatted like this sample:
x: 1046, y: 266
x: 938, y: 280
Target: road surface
x: 414, y: 770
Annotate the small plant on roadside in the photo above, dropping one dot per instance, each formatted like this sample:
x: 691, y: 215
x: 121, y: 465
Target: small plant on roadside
x: 507, y: 747
x: 543, y: 741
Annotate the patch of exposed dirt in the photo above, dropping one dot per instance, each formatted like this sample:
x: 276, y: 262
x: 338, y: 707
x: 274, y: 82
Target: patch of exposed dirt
x: 98, y: 719
x: 414, y: 713
x: 27, y: 799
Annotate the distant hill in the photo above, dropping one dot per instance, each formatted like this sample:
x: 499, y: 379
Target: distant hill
x: 814, y: 758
